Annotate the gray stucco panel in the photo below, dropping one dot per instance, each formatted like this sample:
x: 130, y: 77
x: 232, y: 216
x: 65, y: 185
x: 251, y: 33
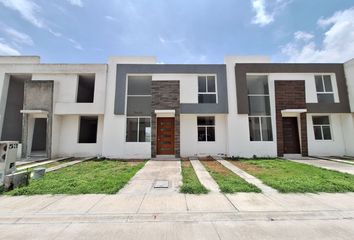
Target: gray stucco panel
x: 218, y: 69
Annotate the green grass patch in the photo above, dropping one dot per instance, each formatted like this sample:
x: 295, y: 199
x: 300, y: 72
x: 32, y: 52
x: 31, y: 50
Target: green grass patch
x: 95, y: 176
x: 292, y: 177
x: 228, y: 181
x: 191, y: 183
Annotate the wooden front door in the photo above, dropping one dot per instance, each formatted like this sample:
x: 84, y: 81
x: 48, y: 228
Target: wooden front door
x: 291, y: 135
x: 165, y: 136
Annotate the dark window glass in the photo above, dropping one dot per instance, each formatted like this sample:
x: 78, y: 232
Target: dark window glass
x: 210, y: 134
x: 326, y: 133
x: 201, y: 134
x: 206, y: 98
x: 327, y: 83
x: 86, y: 88
x: 317, y: 132
x: 257, y: 84
x: 325, y: 98
x: 132, y: 130
x: 202, y: 84
x: 319, y: 83
x: 139, y: 106
x: 259, y: 105
x: 254, y: 127
x: 211, y: 83
x: 144, y: 130
x: 88, y: 129
x: 205, y: 120
x: 139, y: 85
x: 320, y: 120
x: 266, y: 124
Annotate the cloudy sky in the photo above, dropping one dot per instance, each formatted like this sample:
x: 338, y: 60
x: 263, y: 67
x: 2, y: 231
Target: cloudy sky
x: 178, y: 31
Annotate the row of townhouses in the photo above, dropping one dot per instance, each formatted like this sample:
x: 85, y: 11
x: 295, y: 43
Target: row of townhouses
x: 133, y: 107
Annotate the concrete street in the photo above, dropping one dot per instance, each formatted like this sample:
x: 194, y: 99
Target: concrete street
x: 140, y: 211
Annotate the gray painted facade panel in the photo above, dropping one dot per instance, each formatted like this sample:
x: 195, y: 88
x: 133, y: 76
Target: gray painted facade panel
x: 218, y: 69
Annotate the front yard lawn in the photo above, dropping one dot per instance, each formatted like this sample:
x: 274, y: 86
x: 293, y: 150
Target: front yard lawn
x: 191, y: 183
x: 292, y: 177
x: 228, y: 181
x: 94, y: 176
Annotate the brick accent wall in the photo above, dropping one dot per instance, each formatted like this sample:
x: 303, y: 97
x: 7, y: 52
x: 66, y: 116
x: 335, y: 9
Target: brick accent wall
x: 165, y: 95
x: 290, y: 95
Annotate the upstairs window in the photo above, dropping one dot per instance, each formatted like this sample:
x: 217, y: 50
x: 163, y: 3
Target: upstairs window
x: 324, y: 89
x: 206, y: 89
x: 259, y: 119
x: 206, y: 129
x: 321, y: 127
x: 139, y: 96
x: 86, y: 88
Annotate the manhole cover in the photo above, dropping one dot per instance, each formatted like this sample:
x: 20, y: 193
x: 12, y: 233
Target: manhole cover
x: 161, y: 184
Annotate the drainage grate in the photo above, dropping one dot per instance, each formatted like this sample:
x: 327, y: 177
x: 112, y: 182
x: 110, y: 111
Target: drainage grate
x: 161, y: 184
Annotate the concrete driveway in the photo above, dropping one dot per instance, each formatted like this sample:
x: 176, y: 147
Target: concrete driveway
x: 331, y: 165
x: 140, y: 211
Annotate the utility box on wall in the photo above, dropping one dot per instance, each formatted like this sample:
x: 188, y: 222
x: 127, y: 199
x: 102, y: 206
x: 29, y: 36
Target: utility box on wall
x: 8, y: 155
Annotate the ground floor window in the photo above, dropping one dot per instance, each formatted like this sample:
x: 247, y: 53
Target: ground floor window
x: 321, y: 128
x: 206, y: 129
x: 88, y: 129
x: 260, y: 128
x: 138, y: 129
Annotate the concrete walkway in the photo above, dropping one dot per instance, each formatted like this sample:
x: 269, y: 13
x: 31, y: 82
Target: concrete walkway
x: 340, y: 167
x: 203, y: 175
x: 211, y: 216
x: 247, y: 177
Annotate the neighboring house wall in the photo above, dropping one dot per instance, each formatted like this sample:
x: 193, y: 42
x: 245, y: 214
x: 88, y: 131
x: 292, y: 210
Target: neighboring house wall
x: 69, y: 136
x: 335, y: 146
x: 189, y: 136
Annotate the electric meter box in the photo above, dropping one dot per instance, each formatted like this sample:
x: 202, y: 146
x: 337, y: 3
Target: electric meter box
x: 8, y: 155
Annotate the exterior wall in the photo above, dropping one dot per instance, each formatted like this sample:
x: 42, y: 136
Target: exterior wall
x: 189, y: 136
x: 238, y: 138
x: 114, y: 129
x: 290, y: 95
x: 165, y: 95
x: 69, y: 135
x: 347, y: 123
x: 188, y: 85
x: 336, y: 146
x: 349, y: 73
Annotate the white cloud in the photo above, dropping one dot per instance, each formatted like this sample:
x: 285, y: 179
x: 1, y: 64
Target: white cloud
x: 7, y: 50
x: 304, y: 36
x: 18, y: 37
x: 266, y: 10
x: 110, y: 18
x: 78, y: 3
x: 337, y: 43
x: 27, y: 9
x: 30, y: 12
x: 262, y: 18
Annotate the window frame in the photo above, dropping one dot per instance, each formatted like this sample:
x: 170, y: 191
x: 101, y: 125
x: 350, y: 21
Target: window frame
x: 129, y: 95
x: 260, y: 116
x: 325, y: 92
x: 321, y: 126
x: 205, y: 126
x: 261, y: 128
x: 79, y: 129
x: 138, y: 128
x: 206, y: 84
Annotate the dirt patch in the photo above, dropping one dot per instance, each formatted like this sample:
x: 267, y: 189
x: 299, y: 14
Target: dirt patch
x: 251, y: 168
x: 215, y: 166
x: 185, y: 163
